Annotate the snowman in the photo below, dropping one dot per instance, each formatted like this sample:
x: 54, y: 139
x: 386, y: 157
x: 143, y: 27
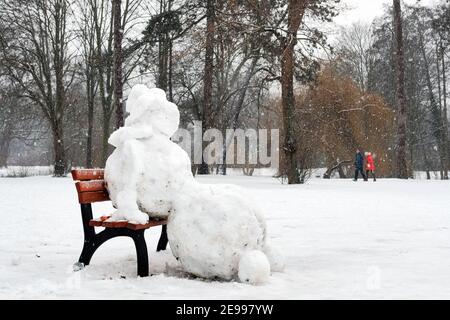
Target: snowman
x: 146, y: 168
x: 214, y: 231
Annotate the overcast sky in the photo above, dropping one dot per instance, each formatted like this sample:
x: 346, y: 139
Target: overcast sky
x: 367, y: 10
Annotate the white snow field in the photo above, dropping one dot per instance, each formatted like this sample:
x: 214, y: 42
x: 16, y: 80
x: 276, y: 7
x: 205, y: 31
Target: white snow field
x: 340, y: 240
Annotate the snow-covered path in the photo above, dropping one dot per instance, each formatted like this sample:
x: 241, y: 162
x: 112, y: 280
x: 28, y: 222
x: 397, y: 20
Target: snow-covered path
x: 389, y: 239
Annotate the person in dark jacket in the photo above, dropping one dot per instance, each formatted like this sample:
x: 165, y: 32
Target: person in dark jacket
x: 359, y: 165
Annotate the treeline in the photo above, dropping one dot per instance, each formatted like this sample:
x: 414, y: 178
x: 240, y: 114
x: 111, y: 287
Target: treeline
x: 368, y: 54
x: 354, y: 100
x: 229, y: 64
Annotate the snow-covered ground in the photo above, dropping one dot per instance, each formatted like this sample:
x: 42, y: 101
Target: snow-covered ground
x: 389, y: 239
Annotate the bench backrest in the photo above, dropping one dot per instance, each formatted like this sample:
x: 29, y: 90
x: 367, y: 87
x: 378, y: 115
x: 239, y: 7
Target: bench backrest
x: 90, y: 185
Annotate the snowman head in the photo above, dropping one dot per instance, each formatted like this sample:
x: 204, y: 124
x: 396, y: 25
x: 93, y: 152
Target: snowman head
x: 150, y: 108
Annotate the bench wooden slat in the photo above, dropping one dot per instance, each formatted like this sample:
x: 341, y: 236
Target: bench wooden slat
x: 151, y: 223
x: 126, y: 224
x: 91, y: 186
x: 90, y: 197
x: 88, y: 174
x: 115, y: 224
x: 96, y: 223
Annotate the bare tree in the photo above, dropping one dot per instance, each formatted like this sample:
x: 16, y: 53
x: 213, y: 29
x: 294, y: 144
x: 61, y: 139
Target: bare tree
x: 170, y: 22
x: 440, y: 25
x: 208, y: 74
x: 296, y: 11
x: 118, y: 60
x: 436, y: 114
x: 103, y: 22
x: 37, y: 59
x: 354, y: 46
x: 293, y: 49
x: 89, y: 71
x: 17, y: 121
x: 402, y: 166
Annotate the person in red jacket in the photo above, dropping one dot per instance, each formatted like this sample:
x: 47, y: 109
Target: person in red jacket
x: 370, y: 166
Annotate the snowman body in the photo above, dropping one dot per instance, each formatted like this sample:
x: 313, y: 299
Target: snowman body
x: 214, y: 231
x: 146, y: 168
x: 212, y: 227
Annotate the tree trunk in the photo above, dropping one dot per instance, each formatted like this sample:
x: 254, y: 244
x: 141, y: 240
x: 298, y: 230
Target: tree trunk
x: 170, y: 59
x: 296, y: 10
x: 118, y: 59
x: 162, y: 53
x: 103, y: 68
x: 435, y: 110
x: 59, y: 51
x: 4, y: 149
x: 162, y: 65
x: 401, y: 163
x: 59, y: 151
x: 445, y: 141
x: 288, y: 103
x: 105, y: 136
x: 170, y: 71
x: 426, y: 160
x: 89, y: 133
x: 224, y: 160
x: 208, y: 76
x: 90, y: 93
x: 438, y: 71
x: 106, y: 118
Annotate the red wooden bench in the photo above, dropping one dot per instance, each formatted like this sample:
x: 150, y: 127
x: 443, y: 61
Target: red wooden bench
x: 92, y: 188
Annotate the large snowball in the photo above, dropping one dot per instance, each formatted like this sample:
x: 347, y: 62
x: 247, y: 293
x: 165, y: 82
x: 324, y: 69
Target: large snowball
x: 209, y: 228
x: 149, y: 107
x: 136, y: 92
x: 254, y: 267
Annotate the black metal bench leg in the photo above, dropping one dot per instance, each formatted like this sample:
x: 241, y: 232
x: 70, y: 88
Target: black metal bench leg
x: 141, y: 253
x: 89, y: 235
x: 95, y: 241
x: 162, y: 243
x: 87, y: 253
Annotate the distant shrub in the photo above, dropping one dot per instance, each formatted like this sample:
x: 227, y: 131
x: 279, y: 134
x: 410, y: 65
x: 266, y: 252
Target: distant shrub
x: 25, y: 171
x: 18, y: 172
